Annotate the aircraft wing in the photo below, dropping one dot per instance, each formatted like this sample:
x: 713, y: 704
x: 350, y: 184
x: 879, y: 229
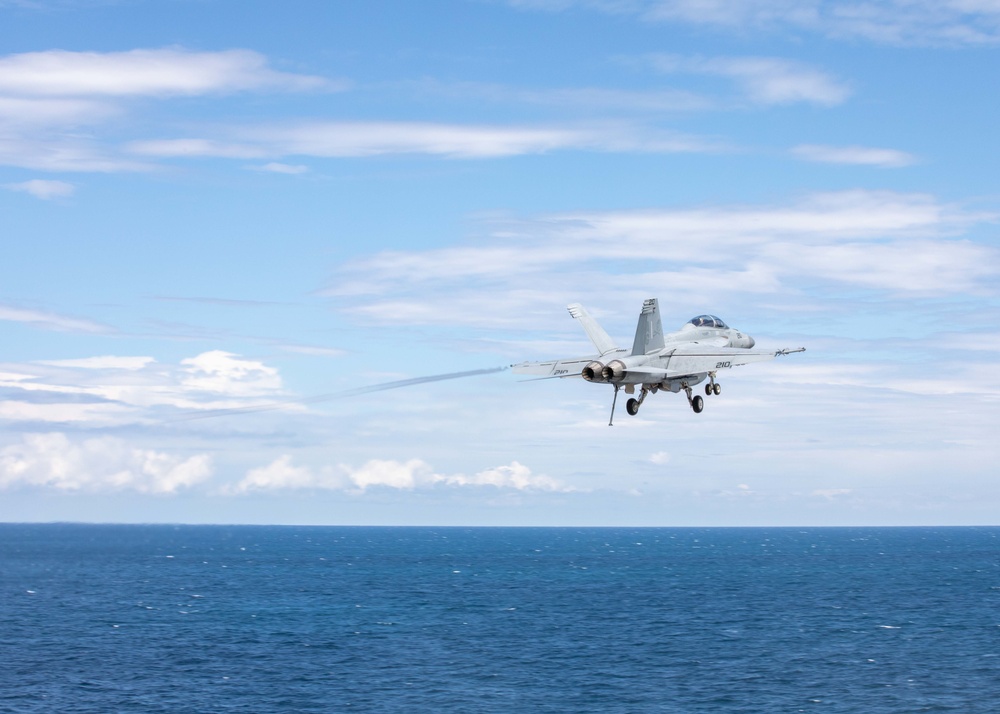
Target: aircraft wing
x: 554, y: 368
x: 694, y: 359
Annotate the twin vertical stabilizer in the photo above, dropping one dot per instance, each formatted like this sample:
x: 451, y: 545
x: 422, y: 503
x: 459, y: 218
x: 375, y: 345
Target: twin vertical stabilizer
x: 649, y: 331
x: 595, y: 332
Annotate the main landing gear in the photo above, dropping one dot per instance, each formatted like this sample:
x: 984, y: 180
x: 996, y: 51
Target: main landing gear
x: 632, y: 405
x: 695, y: 400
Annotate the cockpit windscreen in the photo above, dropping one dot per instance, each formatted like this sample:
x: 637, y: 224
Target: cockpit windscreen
x: 708, y: 321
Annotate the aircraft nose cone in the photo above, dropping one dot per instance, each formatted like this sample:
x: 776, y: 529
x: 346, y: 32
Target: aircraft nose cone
x: 751, y: 341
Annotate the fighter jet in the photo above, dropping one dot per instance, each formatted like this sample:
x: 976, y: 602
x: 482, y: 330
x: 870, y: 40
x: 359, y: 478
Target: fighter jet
x: 677, y: 361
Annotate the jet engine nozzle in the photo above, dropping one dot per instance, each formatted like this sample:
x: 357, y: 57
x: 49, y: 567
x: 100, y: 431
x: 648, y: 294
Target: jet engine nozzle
x: 614, y: 371
x: 593, y: 372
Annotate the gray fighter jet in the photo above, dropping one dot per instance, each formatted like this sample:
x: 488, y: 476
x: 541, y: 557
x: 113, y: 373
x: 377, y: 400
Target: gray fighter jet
x: 672, y: 362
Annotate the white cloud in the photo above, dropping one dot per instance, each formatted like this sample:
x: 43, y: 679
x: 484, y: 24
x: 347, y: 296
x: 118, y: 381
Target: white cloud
x: 222, y: 372
x: 143, y: 72
x: 115, y: 390
x: 279, y: 474
x: 659, y: 458
x: 858, y: 155
x: 411, y: 475
x: 43, y: 189
x: 765, y: 80
x: 407, y: 475
x: 516, y: 476
x: 52, y: 460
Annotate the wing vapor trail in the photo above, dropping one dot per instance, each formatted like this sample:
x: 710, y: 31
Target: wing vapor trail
x: 356, y: 391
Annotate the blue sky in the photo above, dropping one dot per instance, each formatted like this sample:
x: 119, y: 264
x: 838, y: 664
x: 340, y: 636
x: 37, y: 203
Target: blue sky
x: 215, y: 205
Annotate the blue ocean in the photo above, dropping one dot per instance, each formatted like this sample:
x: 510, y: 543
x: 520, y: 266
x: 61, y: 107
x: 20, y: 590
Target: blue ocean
x: 116, y: 618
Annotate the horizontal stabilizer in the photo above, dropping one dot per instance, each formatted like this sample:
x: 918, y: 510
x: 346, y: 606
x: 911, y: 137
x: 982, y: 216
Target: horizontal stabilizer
x: 553, y: 368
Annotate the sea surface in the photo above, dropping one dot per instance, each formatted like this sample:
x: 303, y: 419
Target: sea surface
x: 116, y: 618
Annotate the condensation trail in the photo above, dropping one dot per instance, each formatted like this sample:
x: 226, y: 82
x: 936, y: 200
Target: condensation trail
x: 357, y: 391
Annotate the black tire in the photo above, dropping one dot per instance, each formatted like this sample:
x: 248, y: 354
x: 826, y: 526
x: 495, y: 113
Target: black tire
x: 717, y: 389
x: 697, y: 404
x: 708, y: 389
x: 632, y: 407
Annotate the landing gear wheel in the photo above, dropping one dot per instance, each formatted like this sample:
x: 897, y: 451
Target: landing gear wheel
x: 632, y: 407
x: 717, y: 389
x: 697, y: 404
x: 708, y: 389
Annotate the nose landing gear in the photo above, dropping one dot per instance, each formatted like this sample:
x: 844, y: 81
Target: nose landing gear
x: 712, y: 388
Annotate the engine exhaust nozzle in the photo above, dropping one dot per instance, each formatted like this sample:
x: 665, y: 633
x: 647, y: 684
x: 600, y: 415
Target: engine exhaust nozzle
x: 614, y: 371
x: 593, y: 372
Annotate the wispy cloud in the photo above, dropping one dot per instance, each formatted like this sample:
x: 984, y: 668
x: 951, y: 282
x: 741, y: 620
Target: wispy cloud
x: 607, y: 101
x: 43, y: 189
x: 360, y: 139
x: 892, y: 22
x: 51, y: 320
x: 227, y: 302
x: 764, y: 80
x: 104, y: 362
x: 899, y: 244
x: 45, y: 97
x: 276, y: 167
x: 855, y: 155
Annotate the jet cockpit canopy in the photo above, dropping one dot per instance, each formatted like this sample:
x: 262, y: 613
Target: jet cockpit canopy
x: 708, y: 321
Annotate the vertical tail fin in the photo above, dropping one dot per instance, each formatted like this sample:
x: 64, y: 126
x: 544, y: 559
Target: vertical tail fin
x: 595, y: 332
x: 649, y: 331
